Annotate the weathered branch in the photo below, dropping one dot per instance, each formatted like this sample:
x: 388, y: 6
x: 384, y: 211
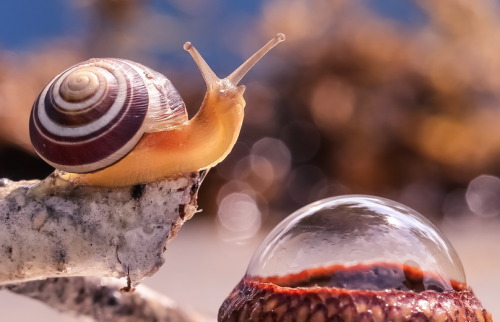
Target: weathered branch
x: 102, y: 300
x: 90, y: 231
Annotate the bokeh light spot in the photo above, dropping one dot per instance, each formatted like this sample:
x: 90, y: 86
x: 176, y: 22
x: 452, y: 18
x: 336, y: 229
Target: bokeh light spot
x: 239, y: 217
x: 483, y: 196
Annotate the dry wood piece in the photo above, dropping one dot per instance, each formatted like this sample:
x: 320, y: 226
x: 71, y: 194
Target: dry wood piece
x: 57, y: 231
x: 102, y: 300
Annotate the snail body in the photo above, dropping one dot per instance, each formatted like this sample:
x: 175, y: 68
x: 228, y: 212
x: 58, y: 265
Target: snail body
x: 113, y: 122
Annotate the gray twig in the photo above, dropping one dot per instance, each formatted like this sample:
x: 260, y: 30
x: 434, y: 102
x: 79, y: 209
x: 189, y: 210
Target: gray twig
x: 90, y: 231
x: 55, y: 235
x: 102, y: 300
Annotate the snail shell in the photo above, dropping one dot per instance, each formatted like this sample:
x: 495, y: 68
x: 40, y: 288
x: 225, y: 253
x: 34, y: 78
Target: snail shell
x: 91, y: 115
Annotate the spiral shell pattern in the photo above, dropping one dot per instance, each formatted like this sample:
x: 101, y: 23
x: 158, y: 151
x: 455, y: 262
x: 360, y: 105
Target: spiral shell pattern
x: 94, y: 113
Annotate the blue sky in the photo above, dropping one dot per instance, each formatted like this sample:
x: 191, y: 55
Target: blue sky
x: 27, y: 23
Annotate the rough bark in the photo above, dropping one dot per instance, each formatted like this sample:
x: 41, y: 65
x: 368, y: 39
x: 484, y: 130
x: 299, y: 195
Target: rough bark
x: 103, y: 300
x: 60, y: 230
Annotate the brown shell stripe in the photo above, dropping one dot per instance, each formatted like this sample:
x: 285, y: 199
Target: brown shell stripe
x: 91, y: 147
x: 88, y: 113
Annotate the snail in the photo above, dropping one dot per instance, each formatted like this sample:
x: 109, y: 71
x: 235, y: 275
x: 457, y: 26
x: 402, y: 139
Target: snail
x: 114, y: 122
x: 354, y: 258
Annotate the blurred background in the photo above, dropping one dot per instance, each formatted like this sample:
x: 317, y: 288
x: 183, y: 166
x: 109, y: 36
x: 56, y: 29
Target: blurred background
x: 399, y: 99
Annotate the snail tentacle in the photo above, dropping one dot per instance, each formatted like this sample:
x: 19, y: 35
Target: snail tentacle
x: 241, y: 71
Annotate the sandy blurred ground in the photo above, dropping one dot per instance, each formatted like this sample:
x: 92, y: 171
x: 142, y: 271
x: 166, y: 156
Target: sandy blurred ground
x: 201, y: 269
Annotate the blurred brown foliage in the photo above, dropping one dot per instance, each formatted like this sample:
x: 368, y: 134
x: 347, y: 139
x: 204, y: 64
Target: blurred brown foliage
x: 352, y: 103
x: 404, y: 112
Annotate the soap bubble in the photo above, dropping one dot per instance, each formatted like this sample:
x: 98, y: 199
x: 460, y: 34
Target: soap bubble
x: 357, y: 242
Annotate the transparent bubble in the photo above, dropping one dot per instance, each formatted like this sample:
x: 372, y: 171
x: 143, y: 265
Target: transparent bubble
x: 358, y: 242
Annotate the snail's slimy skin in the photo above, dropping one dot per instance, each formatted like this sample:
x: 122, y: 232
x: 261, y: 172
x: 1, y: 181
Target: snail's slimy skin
x: 260, y: 300
x: 200, y: 143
